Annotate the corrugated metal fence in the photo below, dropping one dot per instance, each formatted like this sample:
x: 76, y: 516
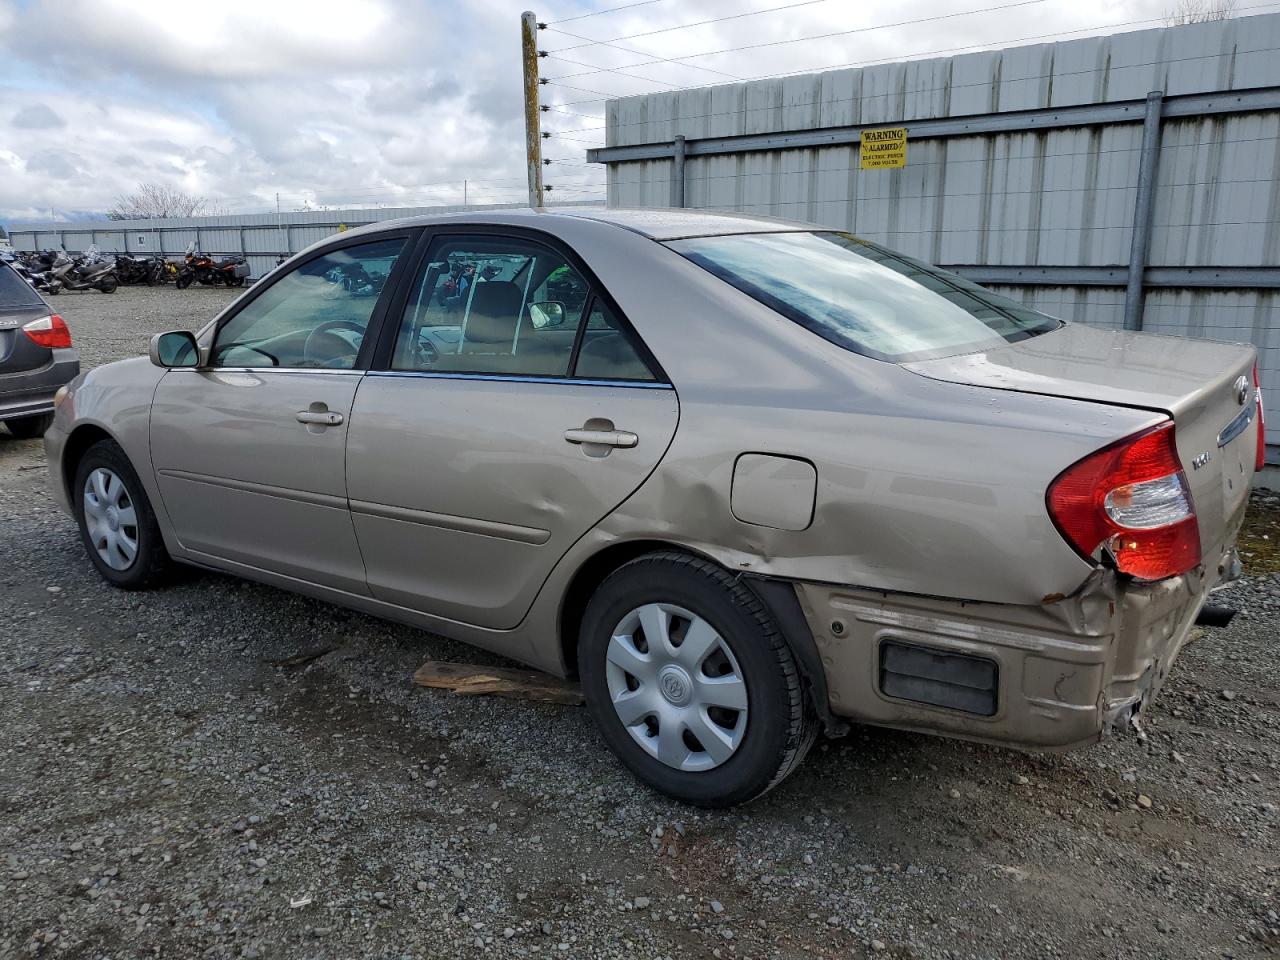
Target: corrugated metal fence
x: 262, y: 237
x: 1027, y: 169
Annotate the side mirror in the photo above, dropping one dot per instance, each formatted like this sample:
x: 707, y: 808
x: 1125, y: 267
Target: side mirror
x: 546, y: 313
x: 176, y: 348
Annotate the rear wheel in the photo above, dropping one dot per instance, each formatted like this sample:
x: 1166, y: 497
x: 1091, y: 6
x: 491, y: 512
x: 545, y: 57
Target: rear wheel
x: 236, y: 282
x: 28, y: 428
x: 108, y: 284
x: 117, y: 525
x: 690, y: 682
x: 182, y: 283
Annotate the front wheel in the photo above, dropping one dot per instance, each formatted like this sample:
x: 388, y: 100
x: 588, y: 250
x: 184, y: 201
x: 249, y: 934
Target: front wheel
x: 117, y: 525
x: 182, y: 283
x: 691, y: 683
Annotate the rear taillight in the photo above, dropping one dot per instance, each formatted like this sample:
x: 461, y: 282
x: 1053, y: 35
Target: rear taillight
x: 50, y: 332
x: 1131, y: 499
x: 1261, y: 460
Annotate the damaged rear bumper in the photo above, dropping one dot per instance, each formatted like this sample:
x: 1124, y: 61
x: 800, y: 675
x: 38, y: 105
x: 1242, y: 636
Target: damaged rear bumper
x: 1050, y: 676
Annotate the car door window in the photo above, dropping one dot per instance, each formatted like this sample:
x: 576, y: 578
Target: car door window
x: 314, y: 316
x: 608, y: 351
x: 492, y: 306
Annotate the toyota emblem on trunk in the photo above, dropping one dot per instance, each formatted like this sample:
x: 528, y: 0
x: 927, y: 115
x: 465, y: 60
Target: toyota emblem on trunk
x: 1241, y: 389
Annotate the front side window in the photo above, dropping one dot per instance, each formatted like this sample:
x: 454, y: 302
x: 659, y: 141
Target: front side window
x: 314, y: 316
x: 863, y: 297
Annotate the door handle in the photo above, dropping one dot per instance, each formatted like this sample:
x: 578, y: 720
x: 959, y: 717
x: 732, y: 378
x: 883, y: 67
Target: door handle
x: 604, y: 438
x: 325, y: 418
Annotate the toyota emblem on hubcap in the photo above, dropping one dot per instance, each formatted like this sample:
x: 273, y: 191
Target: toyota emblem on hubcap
x: 675, y: 685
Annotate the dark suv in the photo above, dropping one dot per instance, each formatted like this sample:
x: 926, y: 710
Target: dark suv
x: 36, y: 357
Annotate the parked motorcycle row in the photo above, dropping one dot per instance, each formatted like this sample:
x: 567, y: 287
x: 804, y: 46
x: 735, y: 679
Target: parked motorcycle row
x: 52, y: 271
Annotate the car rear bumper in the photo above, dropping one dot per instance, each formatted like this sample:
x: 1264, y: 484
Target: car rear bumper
x: 29, y: 393
x: 1052, y: 676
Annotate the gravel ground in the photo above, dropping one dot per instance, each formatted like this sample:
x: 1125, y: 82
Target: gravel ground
x: 222, y: 769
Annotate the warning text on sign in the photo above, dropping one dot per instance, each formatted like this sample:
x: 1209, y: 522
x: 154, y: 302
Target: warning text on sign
x: 883, y: 149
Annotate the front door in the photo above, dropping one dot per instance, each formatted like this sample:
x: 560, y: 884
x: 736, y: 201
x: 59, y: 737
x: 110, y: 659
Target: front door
x: 519, y: 410
x: 249, y: 451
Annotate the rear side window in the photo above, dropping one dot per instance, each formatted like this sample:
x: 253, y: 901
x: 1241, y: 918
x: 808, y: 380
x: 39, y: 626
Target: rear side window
x: 14, y: 291
x: 863, y: 297
x: 510, y: 306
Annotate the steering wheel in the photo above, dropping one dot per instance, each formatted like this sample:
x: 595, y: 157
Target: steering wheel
x: 330, y: 329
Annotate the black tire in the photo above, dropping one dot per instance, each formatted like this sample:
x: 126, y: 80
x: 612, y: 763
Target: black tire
x: 108, y: 285
x: 151, y: 565
x: 28, y: 428
x: 236, y: 282
x: 182, y: 283
x: 781, y: 726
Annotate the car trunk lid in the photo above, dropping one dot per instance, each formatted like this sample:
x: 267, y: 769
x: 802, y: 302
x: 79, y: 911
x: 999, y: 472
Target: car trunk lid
x: 1196, y: 382
x: 18, y: 352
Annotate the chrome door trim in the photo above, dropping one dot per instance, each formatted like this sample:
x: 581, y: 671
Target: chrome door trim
x: 264, y: 489
x: 446, y: 521
x: 514, y: 378
x: 325, y: 370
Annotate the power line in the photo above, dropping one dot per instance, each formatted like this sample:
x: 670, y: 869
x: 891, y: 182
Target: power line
x: 1011, y: 42
x: 621, y: 71
x: 600, y: 13
x: 703, y: 23
x: 642, y: 53
x: 826, y: 36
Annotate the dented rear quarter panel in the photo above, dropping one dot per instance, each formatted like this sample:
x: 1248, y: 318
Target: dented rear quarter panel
x: 923, y: 486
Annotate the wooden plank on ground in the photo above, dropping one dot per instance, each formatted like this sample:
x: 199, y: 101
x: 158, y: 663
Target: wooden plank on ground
x: 470, y: 679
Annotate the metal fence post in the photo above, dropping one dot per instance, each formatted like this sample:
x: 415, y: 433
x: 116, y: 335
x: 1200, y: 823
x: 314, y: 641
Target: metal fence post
x: 1144, y: 206
x: 677, y: 172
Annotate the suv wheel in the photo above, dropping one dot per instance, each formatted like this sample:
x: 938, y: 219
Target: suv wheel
x: 691, y: 683
x: 117, y: 525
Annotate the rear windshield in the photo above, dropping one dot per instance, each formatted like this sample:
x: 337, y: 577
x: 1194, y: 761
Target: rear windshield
x: 863, y: 297
x: 14, y: 291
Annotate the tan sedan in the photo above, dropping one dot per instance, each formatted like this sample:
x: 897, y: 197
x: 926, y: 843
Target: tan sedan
x: 749, y: 480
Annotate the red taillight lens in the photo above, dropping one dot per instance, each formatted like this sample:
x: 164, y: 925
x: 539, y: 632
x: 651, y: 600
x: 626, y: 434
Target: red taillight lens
x: 1261, y: 460
x: 50, y: 332
x: 1131, y: 498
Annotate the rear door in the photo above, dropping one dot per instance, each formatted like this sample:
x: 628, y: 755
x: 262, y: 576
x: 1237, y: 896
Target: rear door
x: 249, y: 451
x: 516, y: 408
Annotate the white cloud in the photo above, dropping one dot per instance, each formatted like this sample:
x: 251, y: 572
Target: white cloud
x: 365, y: 101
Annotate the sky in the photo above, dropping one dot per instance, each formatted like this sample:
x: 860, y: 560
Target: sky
x: 345, y: 103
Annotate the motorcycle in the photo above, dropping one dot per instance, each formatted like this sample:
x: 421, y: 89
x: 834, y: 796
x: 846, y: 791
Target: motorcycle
x: 138, y: 269
x: 36, y: 268
x: 201, y: 268
x: 87, y: 272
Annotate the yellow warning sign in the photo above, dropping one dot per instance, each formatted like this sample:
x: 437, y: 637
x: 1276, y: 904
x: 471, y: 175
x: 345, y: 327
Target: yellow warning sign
x: 884, y: 149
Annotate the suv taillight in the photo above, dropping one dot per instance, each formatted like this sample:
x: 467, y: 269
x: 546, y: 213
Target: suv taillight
x: 1261, y: 459
x: 1132, y: 499
x: 50, y: 332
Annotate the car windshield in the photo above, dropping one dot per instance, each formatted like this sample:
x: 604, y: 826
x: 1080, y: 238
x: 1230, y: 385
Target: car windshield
x: 862, y: 297
x: 14, y: 291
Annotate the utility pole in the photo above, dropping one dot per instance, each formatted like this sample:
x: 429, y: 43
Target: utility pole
x: 532, y: 127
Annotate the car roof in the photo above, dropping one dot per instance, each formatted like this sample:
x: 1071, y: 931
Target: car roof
x: 656, y: 224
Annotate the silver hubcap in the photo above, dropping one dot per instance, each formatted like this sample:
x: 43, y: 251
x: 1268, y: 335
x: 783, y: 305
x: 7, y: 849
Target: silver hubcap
x: 676, y: 687
x: 110, y: 519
